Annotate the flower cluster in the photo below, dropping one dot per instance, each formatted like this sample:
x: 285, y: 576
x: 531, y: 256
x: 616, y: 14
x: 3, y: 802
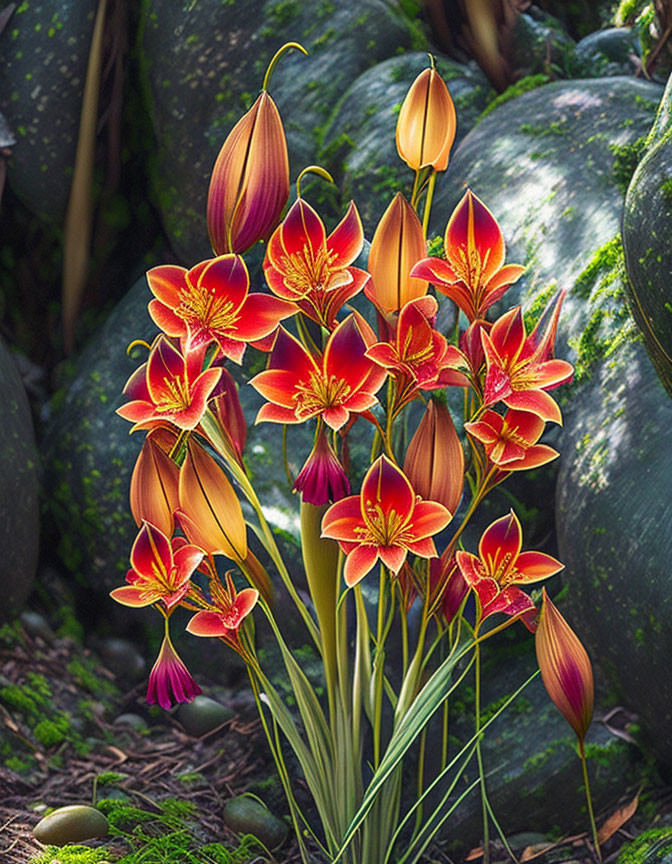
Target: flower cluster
x: 332, y: 366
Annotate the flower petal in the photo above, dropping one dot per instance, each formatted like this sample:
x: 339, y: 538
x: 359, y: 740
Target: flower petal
x: 358, y: 563
x: 346, y: 240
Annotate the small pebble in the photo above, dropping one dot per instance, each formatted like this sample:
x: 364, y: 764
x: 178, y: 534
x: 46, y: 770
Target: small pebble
x: 36, y: 625
x: 202, y: 715
x: 71, y: 824
x: 133, y: 720
x: 246, y: 815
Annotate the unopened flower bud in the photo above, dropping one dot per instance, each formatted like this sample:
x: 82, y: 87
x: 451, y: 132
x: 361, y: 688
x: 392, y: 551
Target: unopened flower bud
x: 153, y: 494
x: 398, y: 243
x: 434, y: 460
x: 427, y: 123
x: 565, y: 668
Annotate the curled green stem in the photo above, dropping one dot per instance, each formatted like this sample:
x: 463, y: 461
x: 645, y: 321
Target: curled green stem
x: 312, y: 169
x: 278, y: 54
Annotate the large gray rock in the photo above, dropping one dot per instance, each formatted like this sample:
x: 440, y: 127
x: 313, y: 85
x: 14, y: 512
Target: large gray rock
x: 203, y: 65
x: 45, y: 51
x: 613, y: 508
x: 647, y: 229
x: 613, y: 51
x: 19, y: 518
x: 359, y: 145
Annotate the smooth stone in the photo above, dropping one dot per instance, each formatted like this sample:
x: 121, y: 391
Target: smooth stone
x: 203, y: 65
x: 135, y: 721
x: 36, y: 625
x: 45, y: 55
x: 246, y: 815
x: 359, y: 144
x: 71, y: 824
x: 123, y: 658
x: 202, y: 715
x: 647, y: 228
x: 19, y: 511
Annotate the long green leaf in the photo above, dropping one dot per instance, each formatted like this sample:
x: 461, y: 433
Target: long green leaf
x: 428, y: 700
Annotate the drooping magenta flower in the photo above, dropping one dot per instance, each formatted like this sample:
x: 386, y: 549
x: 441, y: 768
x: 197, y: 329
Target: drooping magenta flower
x: 322, y: 478
x: 170, y: 679
x: 473, y: 274
x: 500, y: 567
x: 386, y: 521
x: 228, y: 610
x: 314, y: 270
x: 510, y: 441
x: 447, y: 586
x: 299, y: 386
x: 160, y: 570
x: 520, y: 368
x: 169, y: 388
x: 211, y: 303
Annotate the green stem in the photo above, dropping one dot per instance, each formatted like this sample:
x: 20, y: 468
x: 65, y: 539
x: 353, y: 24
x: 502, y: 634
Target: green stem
x: 312, y: 169
x: 428, y: 204
x: 378, y: 669
x: 278, y: 54
x: 479, y: 757
x: 593, y: 826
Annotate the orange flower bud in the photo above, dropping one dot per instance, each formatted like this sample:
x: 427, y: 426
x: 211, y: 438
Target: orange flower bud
x: 210, y: 513
x: 427, y: 123
x: 249, y: 186
x: 397, y: 245
x: 565, y: 668
x: 154, y: 483
x: 434, y: 460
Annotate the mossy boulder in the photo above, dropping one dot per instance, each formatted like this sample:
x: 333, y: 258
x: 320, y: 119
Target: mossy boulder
x: 71, y: 824
x: 535, y: 781
x: 647, y: 233
x: 359, y: 145
x: 203, y: 65
x: 19, y: 517
x: 550, y: 165
x: 613, y: 507
x: 247, y: 815
x: 612, y: 51
x: 650, y: 847
x: 540, y: 43
x: 45, y: 51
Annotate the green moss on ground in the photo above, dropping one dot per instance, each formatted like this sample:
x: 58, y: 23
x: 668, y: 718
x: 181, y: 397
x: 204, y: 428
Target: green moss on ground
x: 657, y: 840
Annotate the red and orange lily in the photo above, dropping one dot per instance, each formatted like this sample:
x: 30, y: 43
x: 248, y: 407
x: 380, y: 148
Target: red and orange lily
x: 211, y: 303
x: 419, y: 358
x: 520, y: 368
x: 510, y: 441
x: 386, y: 521
x: 473, y: 273
x: 500, y: 567
x: 311, y: 269
x: 228, y: 610
x: 299, y: 386
x: 168, y: 388
x: 160, y: 570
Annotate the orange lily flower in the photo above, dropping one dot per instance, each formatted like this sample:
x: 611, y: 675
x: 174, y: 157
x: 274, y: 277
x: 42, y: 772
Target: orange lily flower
x: 386, y: 521
x: 211, y: 303
x: 168, y: 388
x: 500, y: 567
x: 420, y: 358
x: 228, y: 610
x: 473, y: 273
x: 398, y: 243
x: 305, y: 266
x: 510, y: 442
x: 160, y: 570
x: 249, y: 186
x: 427, y: 123
x: 565, y: 668
x: 521, y: 368
x: 299, y: 386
